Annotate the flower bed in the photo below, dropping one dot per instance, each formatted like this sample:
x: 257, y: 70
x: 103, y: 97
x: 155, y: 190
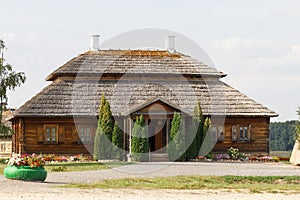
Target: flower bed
x: 233, y: 155
x: 26, y: 167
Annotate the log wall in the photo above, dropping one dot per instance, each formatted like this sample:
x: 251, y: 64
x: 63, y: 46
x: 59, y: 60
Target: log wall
x: 29, y: 136
x: 259, y: 142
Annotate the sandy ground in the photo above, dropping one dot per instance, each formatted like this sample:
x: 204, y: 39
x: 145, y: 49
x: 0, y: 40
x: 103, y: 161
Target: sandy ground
x: 134, y: 194
x: 13, y: 189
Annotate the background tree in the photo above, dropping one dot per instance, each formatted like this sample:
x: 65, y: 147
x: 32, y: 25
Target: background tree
x: 282, y: 135
x: 297, y: 135
x: 176, y: 148
x: 117, y: 140
x: 195, y: 134
x: 9, y: 80
x: 139, y: 141
x: 103, y: 137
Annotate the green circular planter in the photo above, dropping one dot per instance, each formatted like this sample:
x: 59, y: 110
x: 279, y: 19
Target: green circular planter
x: 25, y: 173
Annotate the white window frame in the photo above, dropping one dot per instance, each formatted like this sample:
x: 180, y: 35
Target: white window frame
x: 52, y: 136
x: 243, y: 133
x: 85, y: 134
x: 218, y: 133
x: 3, y: 147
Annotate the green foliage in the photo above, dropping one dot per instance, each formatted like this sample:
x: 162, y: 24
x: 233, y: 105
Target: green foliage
x: 107, y: 121
x: 101, y: 108
x: 176, y: 148
x: 208, y: 139
x: 59, y: 169
x: 3, y: 160
x: 196, y: 133
x: 297, y: 135
x: 233, y: 153
x: 139, y: 141
x: 9, y: 80
x: 117, y: 140
x: 103, y: 138
x: 282, y: 136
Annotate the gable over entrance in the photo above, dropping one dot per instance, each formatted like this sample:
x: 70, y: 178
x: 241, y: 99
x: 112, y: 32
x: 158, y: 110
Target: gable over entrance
x: 155, y: 107
x: 158, y: 114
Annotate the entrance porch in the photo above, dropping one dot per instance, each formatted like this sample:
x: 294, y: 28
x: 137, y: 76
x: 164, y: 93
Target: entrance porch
x: 158, y: 115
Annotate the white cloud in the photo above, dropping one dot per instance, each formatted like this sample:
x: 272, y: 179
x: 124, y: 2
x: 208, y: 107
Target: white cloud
x: 291, y: 9
x: 248, y: 48
x: 265, y: 70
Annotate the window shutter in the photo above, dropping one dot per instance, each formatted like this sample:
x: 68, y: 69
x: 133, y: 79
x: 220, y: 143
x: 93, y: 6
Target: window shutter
x: 234, y: 133
x: 249, y: 133
x: 238, y: 133
x: 93, y: 133
x: 61, y: 135
x: 40, y: 134
x: 252, y: 134
x: 75, y: 136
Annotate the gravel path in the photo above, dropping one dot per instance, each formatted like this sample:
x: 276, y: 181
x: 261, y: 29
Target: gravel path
x: 173, y: 169
x: 12, y: 189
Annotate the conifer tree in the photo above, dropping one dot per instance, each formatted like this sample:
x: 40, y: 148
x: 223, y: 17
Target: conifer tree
x: 117, y: 140
x: 103, y: 137
x: 196, y: 133
x: 208, y: 138
x: 139, y: 141
x: 176, y: 148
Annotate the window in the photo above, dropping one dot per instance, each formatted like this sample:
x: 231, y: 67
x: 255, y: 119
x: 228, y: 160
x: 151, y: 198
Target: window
x: 218, y: 133
x: 85, y: 134
x: 3, y: 147
x: 243, y: 133
x: 51, y: 134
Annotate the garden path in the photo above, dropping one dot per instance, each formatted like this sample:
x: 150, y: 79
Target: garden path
x: 11, y: 189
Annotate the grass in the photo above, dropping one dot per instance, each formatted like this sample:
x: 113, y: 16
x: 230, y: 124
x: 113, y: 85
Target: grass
x: 82, y: 166
x: 2, y: 168
x: 271, y: 184
x: 281, y: 154
x: 77, y: 166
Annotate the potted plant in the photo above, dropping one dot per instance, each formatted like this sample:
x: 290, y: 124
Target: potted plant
x: 26, y: 167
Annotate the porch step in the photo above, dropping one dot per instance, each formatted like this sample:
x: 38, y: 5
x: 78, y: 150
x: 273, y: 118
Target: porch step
x: 159, y: 157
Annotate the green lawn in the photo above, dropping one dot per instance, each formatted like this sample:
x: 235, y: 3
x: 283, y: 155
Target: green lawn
x: 77, y: 166
x: 282, y: 154
x: 271, y: 184
x: 82, y: 166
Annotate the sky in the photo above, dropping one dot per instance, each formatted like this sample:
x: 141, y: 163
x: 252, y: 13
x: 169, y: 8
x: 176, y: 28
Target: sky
x: 257, y: 42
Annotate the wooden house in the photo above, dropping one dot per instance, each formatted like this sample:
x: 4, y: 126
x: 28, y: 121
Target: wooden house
x: 62, y: 118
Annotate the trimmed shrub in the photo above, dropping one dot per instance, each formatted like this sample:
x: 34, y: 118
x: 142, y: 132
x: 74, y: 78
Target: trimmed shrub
x: 196, y: 133
x: 176, y: 148
x: 103, y: 138
x: 139, y: 141
x: 117, y: 140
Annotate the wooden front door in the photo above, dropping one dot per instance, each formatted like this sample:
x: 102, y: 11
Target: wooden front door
x: 157, y: 135
x: 158, y: 140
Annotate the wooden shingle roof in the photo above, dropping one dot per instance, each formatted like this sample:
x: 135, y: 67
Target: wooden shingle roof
x: 71, y: 97
x: 135, y: 62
